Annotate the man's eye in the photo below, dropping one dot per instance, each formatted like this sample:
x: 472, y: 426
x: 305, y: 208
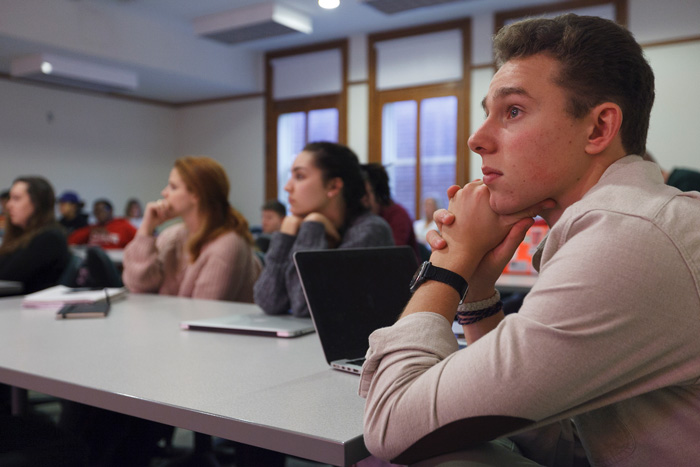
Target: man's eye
x: 513, y: 112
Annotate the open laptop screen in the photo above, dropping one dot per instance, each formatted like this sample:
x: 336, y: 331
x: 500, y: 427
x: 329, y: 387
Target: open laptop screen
x: 352, y: 292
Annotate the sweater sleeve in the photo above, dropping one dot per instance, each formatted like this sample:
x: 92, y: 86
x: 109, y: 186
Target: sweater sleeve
x: 224, y: 269
x: 312, y: 236
x: 143, y: 269
x: 586, y: 336
x: 278, y: 290
x: 270, y: 290
x: 367, y: 231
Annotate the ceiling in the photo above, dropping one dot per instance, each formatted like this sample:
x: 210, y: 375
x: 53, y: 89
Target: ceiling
x: 156, y: 38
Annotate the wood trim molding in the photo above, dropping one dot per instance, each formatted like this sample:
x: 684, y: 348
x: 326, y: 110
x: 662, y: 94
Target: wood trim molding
x: 621, y: 12
x: 459, y: 88
x: 682, y: 40
x: 273, y: 108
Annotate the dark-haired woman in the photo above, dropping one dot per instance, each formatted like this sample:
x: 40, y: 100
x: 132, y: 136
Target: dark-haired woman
x: 325, y: 200
x: 209, y: 255
x: 34, y: 249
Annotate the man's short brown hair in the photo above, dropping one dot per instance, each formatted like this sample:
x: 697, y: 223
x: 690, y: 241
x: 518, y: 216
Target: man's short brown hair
x: 599, y: 62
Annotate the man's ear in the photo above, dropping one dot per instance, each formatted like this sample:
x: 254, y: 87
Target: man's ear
x: 606, y: 119
x: 334, y: 186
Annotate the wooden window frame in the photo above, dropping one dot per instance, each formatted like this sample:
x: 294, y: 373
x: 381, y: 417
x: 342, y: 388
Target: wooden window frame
x: 275, y: 108
x: 621, y: 11
x: 458, y: 88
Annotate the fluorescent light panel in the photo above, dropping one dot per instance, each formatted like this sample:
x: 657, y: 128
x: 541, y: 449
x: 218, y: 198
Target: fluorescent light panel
x: 255, y: 22
x: 66, y: 71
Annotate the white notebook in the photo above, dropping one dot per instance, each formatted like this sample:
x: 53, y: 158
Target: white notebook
x: 59, y: 295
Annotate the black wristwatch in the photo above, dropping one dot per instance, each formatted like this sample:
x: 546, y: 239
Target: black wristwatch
x: 427, y: 272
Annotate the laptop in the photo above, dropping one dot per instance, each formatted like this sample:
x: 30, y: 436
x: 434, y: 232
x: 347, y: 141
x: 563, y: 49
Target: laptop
x: 352, y: 292
x: 258, y: 324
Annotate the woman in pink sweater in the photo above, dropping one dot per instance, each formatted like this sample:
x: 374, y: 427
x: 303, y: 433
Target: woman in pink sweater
x: 208, y: 255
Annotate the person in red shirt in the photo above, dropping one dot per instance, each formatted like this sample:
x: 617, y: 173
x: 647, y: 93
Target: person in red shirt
x: 379, y: 201
x: 108, y: 232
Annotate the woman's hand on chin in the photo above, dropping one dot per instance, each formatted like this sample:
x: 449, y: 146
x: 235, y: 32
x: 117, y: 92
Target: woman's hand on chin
x: 331, y: 232
x: 291, y: 224
x: 155, y: 213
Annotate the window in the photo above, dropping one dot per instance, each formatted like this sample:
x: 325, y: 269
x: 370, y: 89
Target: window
x: 303, y: 105
x: 292, y: 136
x: 417, y: 117
x: 431, y: 125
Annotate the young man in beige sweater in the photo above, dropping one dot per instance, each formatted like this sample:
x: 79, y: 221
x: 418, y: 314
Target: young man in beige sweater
x: 608, y: 336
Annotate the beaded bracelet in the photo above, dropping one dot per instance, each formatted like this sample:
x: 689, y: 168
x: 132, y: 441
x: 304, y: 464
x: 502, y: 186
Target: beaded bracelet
x: 470, y: 313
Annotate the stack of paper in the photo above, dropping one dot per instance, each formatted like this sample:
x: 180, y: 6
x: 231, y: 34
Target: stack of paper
x: 57, y: 296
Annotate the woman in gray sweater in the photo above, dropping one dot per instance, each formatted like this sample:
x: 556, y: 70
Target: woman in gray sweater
x: 326, y: 191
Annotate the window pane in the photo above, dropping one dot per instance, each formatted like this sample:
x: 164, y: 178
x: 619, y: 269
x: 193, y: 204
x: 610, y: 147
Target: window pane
x: 399, y: 126
x: 438, y: 151
x: 291, y: 135
x: 323, y: 125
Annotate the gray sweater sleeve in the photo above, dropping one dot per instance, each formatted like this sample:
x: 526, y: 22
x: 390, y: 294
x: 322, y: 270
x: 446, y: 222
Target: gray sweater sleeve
x: 278, y: 289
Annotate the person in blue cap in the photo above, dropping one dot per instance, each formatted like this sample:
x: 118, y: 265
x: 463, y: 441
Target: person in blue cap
x: 71, y: 208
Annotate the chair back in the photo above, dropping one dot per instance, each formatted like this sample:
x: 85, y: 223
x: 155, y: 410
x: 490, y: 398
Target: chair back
x: 98, y: 270
x: 70, y: 273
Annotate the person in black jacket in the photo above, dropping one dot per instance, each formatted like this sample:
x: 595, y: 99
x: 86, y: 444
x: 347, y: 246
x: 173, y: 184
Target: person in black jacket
x: 34, y: 250
x: 71, y: 208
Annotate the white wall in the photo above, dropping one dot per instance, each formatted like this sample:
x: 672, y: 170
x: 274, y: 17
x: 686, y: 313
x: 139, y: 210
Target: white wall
x: 673, y: 136
x: 97, y: 146
x: 233, y: 133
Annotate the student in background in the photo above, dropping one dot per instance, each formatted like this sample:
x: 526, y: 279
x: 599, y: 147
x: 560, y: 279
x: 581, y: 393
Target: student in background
x: 208, y: 255
x: 34, y: 249
x: 608, y: 335
x: 272, y: 214
x: 380, y: 203
x: 108, y: 232
x: 326, y: 190
x: 134, y: 212
x: 422, y: 226
x: 683, y: 179
x: 4, y: 198
x: 71, y: 208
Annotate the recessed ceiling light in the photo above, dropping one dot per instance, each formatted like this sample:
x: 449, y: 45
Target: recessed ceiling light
x: 328, y: 4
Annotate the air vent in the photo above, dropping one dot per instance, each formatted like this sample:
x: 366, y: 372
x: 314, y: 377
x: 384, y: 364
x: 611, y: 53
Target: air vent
x: 391, y: 7
x: 252, y: 23
x: 65, y: 71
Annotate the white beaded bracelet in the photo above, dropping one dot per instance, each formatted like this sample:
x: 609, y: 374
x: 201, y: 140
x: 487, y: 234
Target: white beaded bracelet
x: 473, y: 312
x: 481, y: 304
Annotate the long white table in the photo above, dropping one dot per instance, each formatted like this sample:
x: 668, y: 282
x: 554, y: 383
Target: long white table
x: 275, y: 393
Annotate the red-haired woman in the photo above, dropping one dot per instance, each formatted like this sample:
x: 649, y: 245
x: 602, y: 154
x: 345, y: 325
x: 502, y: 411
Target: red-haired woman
x: 209, y: 255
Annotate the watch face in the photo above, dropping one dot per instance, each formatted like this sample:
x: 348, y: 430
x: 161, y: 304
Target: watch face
x: 419, y: 276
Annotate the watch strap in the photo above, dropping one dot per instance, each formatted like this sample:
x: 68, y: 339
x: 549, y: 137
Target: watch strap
x: 436, y: 273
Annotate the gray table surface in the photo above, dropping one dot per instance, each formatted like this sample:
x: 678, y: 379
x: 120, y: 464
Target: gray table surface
x: 276, y: 393
x: 10, y: 288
